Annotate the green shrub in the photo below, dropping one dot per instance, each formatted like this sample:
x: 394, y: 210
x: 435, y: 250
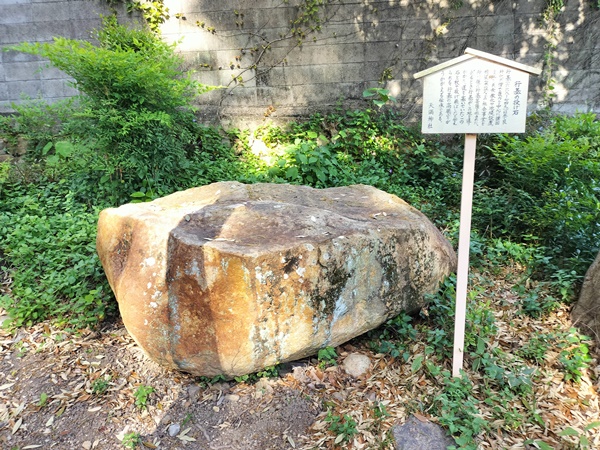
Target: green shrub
x: 550, y: 183
x: 136, y: 111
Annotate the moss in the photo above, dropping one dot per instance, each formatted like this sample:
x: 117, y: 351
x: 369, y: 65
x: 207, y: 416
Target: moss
x: 325, y: 300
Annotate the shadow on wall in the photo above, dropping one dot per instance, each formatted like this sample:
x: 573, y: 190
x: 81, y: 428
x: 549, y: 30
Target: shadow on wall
x: 284, y: 59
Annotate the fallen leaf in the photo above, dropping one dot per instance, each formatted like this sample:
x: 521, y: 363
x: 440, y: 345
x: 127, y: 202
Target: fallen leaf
x: 97, y: 408
x: 17, y: 425
x: 420, y: 417
x: 6, y: 386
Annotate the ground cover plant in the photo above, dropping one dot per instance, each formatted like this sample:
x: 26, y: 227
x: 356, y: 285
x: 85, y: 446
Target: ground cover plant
x: 536, y: 229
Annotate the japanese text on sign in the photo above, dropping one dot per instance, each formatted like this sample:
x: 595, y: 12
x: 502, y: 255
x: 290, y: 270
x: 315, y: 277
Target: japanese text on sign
x: 475, y: 97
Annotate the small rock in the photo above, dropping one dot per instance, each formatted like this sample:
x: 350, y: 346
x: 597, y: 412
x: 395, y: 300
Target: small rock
x: 371, y: 396
x: 263, y: 386
x: 166, y: 419
x: 231, y: 398
x: 356, y: 364
x: 417, y: 434
x: 299, y: 374
x: 87, y: 445
x: 174, y: 429
x: 338, y: 396
x: 193, y: 391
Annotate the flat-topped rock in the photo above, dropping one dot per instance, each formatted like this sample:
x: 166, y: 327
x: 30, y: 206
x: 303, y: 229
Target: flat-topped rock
x: 231, y: 278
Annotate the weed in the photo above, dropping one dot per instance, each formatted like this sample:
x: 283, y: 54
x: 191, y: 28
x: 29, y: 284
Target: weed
x: 535, y: 348
x: 268, y: 372
x: 141, y: 395
x: 131, y: 440
x: 394, y: 337
x: 457, y: 409
x: 344, y: 427
x: 480, y: 322
x: 580, y: 437
x: 327, y: 357
x: 380, y: 411
x: 43, y: 400
x: 100, y: 386
x: 574, y: 356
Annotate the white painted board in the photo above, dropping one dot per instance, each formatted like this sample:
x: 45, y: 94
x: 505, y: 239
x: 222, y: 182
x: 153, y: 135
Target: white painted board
x: 475, y: 96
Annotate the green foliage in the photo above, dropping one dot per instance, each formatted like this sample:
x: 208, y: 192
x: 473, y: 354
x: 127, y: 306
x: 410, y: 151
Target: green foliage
x: 49, y: 240
x: 550, y: 182
x: 574, y: 356
x: 327, y: 357
x: 379, y: 96
x: 480, y: 322
x: 457, y: 410
x: 367, y: 147
x: 582, y: 441
x: 154, y: 12
x: 136, y: 111
x: 36, y: 123
x: 100, y: 385
x: 131, y: 440
x: 141, y: 395
x: 268, y: 372
x: 43, y: 400
x: 394, y: 337
x: 344, y: 427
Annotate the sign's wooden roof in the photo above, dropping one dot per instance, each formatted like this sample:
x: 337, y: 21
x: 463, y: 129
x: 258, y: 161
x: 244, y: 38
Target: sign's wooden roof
x: 471, y: 53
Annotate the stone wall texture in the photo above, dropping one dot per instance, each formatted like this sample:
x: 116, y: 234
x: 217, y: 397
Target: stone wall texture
x: 282, y: 59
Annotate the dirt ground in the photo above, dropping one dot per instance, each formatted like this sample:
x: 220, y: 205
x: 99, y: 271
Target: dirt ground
x: 52, y: 388
x: 82, y: 391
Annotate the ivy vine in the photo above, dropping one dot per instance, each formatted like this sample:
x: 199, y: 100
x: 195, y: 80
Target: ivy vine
x: 154, y: 12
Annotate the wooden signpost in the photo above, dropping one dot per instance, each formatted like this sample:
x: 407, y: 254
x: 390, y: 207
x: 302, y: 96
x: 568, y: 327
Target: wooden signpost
x: 474, y: 93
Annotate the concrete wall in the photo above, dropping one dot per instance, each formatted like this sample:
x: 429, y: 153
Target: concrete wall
x: 273, y: 67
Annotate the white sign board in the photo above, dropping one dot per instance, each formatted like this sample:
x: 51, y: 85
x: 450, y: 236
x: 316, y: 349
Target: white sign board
x: 475, y: 96
x: 474, y: 93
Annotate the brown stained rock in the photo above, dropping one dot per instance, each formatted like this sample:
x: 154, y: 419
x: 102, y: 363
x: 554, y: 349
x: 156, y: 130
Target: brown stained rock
x: 231, y: 278
x: 586, y: 312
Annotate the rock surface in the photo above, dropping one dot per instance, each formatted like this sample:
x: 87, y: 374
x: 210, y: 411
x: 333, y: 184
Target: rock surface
x: 417, y: 434
x: 356, y: 364
x: 586, y: 312
x: 231, y: 278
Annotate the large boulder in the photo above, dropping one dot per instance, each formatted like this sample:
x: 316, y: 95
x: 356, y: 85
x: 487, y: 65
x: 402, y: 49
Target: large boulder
x: 231, y: 278
x: 586, y: 312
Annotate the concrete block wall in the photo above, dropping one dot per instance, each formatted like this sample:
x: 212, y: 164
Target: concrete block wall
x: 26, y: 76
x: 247, y: 47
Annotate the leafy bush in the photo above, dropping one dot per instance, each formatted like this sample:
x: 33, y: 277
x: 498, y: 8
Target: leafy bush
x: 550, y: 184
x: 368, y: 147
x: 457, y: 409
x: 136, y: 112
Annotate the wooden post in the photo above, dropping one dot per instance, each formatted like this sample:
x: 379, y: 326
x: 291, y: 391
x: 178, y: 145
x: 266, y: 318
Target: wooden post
x: 464, y: 241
